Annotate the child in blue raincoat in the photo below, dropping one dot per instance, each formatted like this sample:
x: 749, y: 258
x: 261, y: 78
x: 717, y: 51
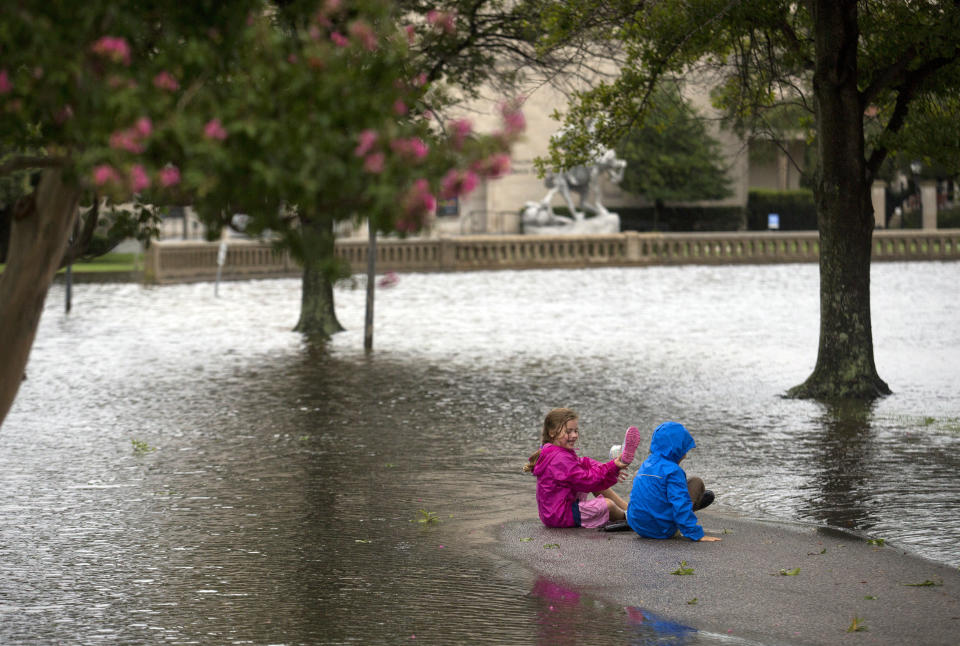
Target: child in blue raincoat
x: 663, y: 499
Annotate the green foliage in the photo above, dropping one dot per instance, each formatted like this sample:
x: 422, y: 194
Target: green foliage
x: 758, y: 57
x: 551, y: 546
x: 683, y: 570
x: 857, y: 625
x: 141, y: 448
x: 796, y: 209
x: 876, y: 541
x: 925, y: 584
x: 425, y: 517
x: 247, y: 106
x: 794, y: 572
x: 671, y: 156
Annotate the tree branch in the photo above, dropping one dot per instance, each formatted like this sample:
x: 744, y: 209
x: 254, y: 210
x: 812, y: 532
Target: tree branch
x: 905, y: 95
x: 26, y: 162
x: 81, y: 240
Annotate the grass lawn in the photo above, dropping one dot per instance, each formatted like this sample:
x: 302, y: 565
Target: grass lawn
x: 111, y: 262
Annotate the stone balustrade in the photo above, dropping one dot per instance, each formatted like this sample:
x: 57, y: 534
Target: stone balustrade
x: 193, y: 261
x: 168, y: 262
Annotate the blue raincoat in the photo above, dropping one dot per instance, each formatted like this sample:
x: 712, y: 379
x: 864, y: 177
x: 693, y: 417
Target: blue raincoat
x: 660, y: 501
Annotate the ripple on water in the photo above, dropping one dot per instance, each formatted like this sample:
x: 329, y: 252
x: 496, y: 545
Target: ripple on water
x: 278, y: 486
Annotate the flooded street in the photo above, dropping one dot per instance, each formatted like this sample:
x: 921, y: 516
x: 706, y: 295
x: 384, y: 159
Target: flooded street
x: 180, y: 468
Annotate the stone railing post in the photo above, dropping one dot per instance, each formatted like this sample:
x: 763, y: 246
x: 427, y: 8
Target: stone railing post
x: 928, y: 202
x: 632, y: 239
x: 448, y: 254
x: 878, y: 195
x: 151, y: 263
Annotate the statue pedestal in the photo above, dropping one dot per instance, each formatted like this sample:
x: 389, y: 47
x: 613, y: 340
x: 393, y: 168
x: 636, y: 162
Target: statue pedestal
x: 607, y: 223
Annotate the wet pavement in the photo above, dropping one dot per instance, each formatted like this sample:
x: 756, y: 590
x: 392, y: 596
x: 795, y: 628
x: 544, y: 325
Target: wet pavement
x: 764, y: 583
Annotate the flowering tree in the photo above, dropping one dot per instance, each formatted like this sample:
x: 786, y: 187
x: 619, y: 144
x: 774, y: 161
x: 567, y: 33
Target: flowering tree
x: 297, y: 115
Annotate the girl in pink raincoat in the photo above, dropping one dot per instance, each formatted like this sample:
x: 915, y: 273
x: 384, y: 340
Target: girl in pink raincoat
x: 564, y: 480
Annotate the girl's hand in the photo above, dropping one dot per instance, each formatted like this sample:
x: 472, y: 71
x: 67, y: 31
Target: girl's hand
x: 710, y: 539
x: 620, y: 465
x: 622, y: 475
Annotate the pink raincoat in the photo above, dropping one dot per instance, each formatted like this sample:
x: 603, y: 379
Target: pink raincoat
x: 561, y: 475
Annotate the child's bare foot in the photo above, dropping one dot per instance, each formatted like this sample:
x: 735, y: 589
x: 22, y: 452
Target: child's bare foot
x: 630, y: 443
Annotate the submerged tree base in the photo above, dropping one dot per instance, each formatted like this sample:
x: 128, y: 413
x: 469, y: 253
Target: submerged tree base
x: 832, y: 389
x: 319, y: 329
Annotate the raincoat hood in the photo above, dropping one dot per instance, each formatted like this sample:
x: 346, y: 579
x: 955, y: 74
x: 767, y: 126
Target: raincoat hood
x: 672, y: 441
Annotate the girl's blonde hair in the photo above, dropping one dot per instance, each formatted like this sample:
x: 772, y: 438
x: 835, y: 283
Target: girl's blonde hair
x: 553, y: 424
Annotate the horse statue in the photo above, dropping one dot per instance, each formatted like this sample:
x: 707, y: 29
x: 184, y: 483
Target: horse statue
x: 539, y: 217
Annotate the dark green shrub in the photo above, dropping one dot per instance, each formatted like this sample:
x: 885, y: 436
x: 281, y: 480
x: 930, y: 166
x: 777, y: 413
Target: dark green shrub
x: 681, y: 218
x: 796, y: 209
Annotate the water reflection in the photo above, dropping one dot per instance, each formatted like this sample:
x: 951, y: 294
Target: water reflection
x: 844, y: 453
x: 650, y: 629
x: 282, y: 501
x: 557, y: 617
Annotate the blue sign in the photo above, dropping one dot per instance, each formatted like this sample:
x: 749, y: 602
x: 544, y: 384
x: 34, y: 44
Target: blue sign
x: 449, y: 206
x: 773, y: 221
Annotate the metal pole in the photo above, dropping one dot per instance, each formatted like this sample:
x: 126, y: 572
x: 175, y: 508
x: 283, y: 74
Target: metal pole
x: 221, y: 259
x: 69, y: 281
x: 371, y: 276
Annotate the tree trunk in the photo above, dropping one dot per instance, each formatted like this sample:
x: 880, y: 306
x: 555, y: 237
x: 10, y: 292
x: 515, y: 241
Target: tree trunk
x: 317, y: 316
x: 845, y: 367
x: 39, y: 231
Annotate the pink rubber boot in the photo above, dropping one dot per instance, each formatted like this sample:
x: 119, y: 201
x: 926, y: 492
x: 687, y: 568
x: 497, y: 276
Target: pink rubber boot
x: 630, y: 443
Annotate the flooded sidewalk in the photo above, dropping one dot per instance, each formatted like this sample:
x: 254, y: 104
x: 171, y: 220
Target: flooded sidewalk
x: 764, y: 583
x: 181, y: 467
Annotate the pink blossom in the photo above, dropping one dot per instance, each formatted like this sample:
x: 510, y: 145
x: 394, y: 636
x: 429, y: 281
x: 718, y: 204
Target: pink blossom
x: 460, y: 129
x: 129, y: 140
x: 314, y: 32
x: 5, y: 84
x: 374, y: 163
x: 411, y: 33
x: 331, y: 6
x: 413, y: 147
x: 114, y: 48
x: 143, y: 126
x: 442, y: 20
x: 363, y: 32
x: 418, y: 148
x: 420, y: 80
x: 400, y: 108
x: 418, y: 204
x: 292, y: 58
x: 105, y: 173
x: 339, y: 39
x: 169, y: 175
x: 493, y: 167
x: 166, y: 81
x: 138, y: 178
x: 456, y: 183
x: 367, y: 139
x: 513, y: 120
x: 214, y: 130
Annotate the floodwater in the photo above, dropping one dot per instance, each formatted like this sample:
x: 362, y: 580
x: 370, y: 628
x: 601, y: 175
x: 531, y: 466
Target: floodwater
x: 182, y: 468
